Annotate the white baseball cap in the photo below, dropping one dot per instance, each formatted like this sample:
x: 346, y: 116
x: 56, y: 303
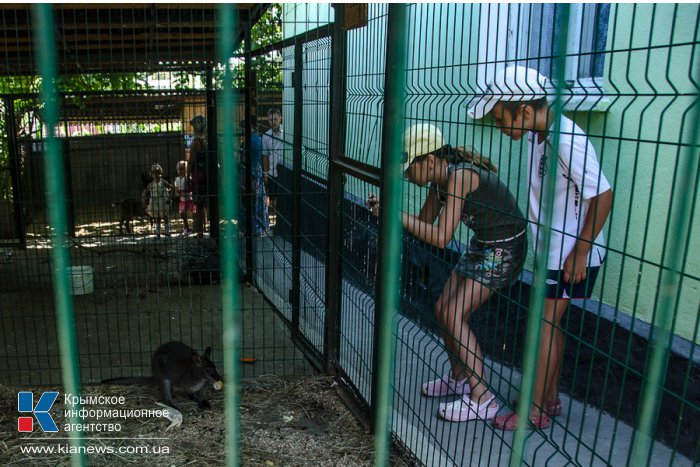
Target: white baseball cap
x: 419, y: 139
x: 513, y: 83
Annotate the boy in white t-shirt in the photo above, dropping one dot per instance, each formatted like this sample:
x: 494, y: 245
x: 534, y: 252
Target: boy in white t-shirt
x: 516, y: 100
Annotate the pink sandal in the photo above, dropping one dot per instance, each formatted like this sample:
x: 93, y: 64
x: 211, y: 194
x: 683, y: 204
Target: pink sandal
x: 510, y: 422
x: 446, y: 386
x: 552, y: 408
x: 465, y: 409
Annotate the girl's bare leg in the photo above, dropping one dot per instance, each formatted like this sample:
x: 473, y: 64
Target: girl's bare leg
x: 550, y: 355
x: 185, y: 224
x: 459, y: 298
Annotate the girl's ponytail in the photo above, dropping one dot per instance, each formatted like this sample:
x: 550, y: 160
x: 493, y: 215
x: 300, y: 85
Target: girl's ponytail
x: 458, y: 155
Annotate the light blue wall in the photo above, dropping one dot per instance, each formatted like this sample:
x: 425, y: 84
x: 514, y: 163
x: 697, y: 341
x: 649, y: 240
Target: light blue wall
x: 641, y: 145
x: 297, y: 18
x: 639, y: 138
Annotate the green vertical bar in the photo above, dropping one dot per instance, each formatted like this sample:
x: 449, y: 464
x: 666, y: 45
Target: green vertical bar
x: 673, y: 258
x: 55, y: 201
x: 228, y: 238
x: 389, y: 226
x: 534, y: 323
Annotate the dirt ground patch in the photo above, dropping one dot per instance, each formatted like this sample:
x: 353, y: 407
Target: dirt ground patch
x: 288, y: 414
x: 144, y: 295
x: 283, y: 421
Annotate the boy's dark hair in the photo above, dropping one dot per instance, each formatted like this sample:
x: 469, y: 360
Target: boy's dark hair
x: 512, y: 106
x: 199, y: 123
x: 274, y: 110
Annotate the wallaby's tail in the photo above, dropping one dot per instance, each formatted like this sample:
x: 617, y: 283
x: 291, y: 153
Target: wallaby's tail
x: 129, y: 380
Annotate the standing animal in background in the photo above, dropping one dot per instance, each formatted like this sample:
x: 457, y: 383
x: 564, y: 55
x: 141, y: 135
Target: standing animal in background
x: 130, y: 208
x: 177, y: 366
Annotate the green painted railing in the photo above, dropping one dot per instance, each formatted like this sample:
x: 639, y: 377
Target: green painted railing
x: 56, y: 204
x: 230, y: 297
x: 389, y: 265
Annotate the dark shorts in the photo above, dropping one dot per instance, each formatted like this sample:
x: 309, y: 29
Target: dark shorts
x: 557, y: 288
x: 494, y: 265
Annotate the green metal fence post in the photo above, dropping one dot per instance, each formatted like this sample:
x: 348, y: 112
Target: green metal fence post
x: 56, y: 205
x: 297, y: 167
x: 212, y: 156
x: 336, y: 138
x: 534, y: 324
x: 248, y: 145
x: 674, y: 255
x: 390, y: 231
x: 228, y: 178
x: 15, y: 169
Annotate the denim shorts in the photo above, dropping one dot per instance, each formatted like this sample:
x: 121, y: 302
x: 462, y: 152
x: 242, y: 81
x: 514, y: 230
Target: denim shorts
x: 494, y: 264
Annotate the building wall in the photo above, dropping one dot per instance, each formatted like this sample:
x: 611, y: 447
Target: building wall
x: 640, y: 130
x: 108, y: 168
x: 642, y: 140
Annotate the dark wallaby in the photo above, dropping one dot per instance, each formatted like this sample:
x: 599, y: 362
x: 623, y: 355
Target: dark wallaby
x: 130, y: 208
x: 178, y: 366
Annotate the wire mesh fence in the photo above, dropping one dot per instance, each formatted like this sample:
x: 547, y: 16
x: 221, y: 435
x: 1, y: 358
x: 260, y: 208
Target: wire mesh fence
x: 133, y: 283
x: 604, y: 109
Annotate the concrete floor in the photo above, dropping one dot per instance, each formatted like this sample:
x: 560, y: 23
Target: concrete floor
x: 582, y: 435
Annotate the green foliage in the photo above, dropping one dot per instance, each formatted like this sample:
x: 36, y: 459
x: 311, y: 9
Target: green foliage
x: 19, y: 84
x: 103, y: 82
x: 183, y: 80
x: 269, y: 29
x: 268, y: 68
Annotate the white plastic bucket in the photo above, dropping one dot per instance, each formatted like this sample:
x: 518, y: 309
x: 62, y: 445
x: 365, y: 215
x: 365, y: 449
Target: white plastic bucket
x: 81, y: 279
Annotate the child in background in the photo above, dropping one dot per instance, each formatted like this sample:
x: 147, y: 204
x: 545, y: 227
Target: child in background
x: 183, y: 189
x: 157, y: 192
x: 582, y: 201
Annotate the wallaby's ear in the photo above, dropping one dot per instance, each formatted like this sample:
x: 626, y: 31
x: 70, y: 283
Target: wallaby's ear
x: 196, y: 359
x: 207, y: 353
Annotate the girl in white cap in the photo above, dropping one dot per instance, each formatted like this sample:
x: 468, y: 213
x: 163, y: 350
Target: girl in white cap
x: 463, y: 187
x: 582, y: 200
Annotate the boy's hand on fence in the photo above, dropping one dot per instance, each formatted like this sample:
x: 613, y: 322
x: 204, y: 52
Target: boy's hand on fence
x: 575, y: 266
x: 373, y: 204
